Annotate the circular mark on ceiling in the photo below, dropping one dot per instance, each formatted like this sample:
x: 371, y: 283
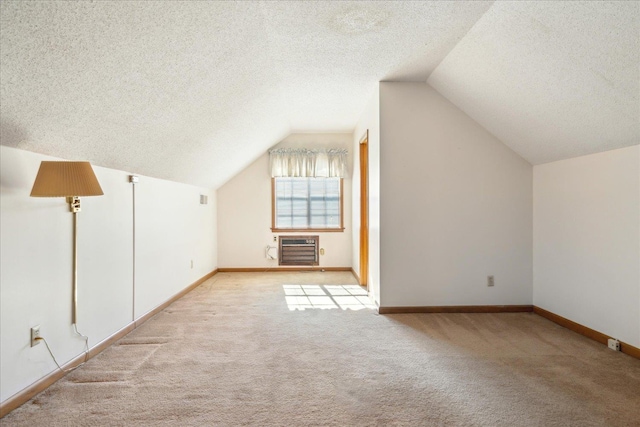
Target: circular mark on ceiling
x: 359, y: 21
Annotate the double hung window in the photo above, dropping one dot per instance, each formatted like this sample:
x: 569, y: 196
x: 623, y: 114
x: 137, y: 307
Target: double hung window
x: 307, y: 203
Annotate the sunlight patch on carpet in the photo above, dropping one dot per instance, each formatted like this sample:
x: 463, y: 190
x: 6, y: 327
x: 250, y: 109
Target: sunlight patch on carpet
x: 319, y: 297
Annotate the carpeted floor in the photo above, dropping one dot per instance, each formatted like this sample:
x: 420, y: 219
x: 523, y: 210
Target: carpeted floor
x: 233, y: 353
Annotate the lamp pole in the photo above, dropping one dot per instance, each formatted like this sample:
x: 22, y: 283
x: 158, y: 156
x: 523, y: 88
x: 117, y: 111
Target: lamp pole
x: 74, y: 313
x: 74, y: 207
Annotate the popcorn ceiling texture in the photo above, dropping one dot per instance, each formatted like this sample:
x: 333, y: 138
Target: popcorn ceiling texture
x: 552, y: 80
x: 195, y: 91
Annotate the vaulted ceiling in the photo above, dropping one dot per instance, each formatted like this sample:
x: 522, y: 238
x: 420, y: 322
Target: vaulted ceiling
x: 195, y: 91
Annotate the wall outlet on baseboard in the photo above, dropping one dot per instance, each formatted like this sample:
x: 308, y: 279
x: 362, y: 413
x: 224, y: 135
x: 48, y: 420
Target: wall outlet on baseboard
x: 613, y: 344
x: 35, y: 334
x: 490, y: 281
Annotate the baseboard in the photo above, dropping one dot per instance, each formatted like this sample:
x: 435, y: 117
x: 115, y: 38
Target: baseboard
x: 355, y: 275
x: 148, y: 315
x: 279, y: 269
x: 45, y: 382
x: 457, y: 309
x: 586, y: 331
x: 42, y: 384
x: 106, y: 343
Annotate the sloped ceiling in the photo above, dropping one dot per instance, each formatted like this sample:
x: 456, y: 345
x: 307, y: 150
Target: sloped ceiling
x: 552, y: 80
x: 195, y: 91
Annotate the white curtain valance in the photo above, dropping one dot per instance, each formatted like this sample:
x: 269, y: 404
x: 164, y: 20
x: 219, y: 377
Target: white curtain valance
x: 305, y: 162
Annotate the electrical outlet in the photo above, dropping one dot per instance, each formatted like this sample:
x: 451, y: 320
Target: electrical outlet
x: 490, y: 281
x: 35, y: 333
x: 275, y: 238
x: 191, y: 263
x: 321, y: 251
x: 613, y: 344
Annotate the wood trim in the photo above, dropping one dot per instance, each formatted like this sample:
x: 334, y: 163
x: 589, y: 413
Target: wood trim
x: 279, y: 269
x: 342, y: 203
x: 355, y: 275
x: 569, y: 324
x: 273, y: 205
x: 630, y: 350
x: 148, y: 315
x: 105, y: 343
x: 302, y: 230
x: 365, y: 137
x: 310, y: 230
x: 364, y: 210
x: 585, y: 331
x: 458, y: 309
x: 45, y: 382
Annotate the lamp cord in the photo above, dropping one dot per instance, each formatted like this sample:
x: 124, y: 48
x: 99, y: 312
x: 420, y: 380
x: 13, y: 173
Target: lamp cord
x: 86, y: 350
x: 50, y: 352
x: 86, y: 344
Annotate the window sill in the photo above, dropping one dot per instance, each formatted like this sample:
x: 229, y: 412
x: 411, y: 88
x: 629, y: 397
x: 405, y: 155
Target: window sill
x: 305, y: 230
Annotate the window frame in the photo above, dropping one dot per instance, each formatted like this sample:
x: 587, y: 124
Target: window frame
x: 298, y: 230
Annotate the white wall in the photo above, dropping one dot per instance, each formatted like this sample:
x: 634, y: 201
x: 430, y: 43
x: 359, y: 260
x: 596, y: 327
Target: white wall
x: 172, y: 229
x: 587, y: 241
x: 36, y: 261
x: 456, y: 206
x: 244, y: 212
x: 369, y: 120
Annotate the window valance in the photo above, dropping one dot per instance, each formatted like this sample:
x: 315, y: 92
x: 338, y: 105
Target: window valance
x: 305, y: 162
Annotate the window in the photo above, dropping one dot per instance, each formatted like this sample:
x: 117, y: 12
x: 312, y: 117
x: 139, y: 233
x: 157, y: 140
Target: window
x: 307, y: 204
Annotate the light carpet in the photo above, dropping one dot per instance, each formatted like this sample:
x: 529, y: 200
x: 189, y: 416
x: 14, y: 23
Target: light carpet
x: 232, y: 353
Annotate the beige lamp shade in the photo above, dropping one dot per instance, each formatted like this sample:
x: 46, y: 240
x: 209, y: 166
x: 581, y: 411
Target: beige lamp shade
x: 65, y: 179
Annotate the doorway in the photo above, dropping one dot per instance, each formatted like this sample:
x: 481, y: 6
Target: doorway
x: 364, y: 210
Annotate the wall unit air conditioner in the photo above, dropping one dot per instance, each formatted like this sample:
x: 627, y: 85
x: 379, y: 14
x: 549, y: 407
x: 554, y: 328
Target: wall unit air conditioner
x: 298, y: 250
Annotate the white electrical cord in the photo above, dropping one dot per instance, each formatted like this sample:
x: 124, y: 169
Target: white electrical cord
x: 86, y: 352
x: 50, y: 352
x: 86, y: 342
x: 268, y: 252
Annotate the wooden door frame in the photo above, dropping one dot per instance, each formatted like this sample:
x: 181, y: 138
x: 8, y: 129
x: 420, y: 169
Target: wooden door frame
x: 364, y: 210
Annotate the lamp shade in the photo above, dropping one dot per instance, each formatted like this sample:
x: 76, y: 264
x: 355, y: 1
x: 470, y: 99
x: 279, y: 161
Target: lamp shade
x: 65, y: 179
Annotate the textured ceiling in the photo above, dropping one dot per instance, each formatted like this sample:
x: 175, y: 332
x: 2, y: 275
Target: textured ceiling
x: 195, y: 91
x: 552, y: 80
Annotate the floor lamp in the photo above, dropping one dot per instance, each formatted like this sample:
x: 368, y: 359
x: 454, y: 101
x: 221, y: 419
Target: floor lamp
x: 70, y: 180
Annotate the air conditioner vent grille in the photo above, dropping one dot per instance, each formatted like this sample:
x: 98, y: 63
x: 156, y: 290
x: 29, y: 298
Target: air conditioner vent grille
x: 298, y: 250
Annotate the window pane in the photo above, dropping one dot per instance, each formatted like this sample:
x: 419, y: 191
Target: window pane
x: 307, y: 202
